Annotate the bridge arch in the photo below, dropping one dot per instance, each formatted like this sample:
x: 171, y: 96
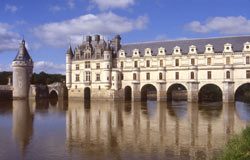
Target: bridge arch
x: 210, y: 92
x: 87, y: 94
x: 128, y: 93
x: 148, y: 91
x: 242, y: 92
x: 177, y: 91
x: 53, y: 94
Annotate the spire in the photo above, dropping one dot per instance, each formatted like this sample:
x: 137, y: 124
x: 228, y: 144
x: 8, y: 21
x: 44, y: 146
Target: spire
x: 22, y: 54
x: 69, y: 51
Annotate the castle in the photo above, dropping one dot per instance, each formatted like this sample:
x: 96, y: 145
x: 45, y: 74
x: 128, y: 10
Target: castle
x: 99, y: 69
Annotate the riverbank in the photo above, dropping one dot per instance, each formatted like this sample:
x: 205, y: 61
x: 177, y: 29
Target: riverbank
x: 238, y: 148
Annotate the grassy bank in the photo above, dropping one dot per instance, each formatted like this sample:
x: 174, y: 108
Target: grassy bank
x: 238, y: 148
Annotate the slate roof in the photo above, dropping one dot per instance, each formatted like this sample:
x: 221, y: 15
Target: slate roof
x: 218, y: 45
x: 22, y: 54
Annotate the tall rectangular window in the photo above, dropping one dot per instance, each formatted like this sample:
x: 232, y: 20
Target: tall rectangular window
x: 98, y: 77
x: 161, y: 63
x: 248, y: 73
x: 134, y: 76
x: 148, y: 76
x: 121, y: 64
x: 228, y: 60
x: 228, y: 75
x: 87, y: 76
x: 77, y: 78
x: 176, y: 75
x: 135, y: 64
x: 97, y: 65
x: 192, y: 75
x: 209, y: 75
x: 209, y: 61
x: 77, y: 66
x: 177, y: 62
x: 192, y: 61
x: 148, y: 63
x: 247, y: 60
x: 87, y: 64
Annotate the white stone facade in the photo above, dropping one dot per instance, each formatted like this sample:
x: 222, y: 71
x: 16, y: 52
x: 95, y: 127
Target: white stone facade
x: 224, y: 62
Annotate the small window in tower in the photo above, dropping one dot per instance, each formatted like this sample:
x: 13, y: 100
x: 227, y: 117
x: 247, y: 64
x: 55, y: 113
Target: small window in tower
x: 148, y: 76
x: 135, y: 64
x: 121, y: 76
x: 121, y: 64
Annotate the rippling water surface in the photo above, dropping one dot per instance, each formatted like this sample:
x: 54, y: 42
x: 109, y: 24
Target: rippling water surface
x: 117, y: 130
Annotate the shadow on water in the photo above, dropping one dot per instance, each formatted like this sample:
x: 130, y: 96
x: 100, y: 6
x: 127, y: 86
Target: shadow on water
x: 177, y: 109
x: 243, y: 110
x: 209, y: 110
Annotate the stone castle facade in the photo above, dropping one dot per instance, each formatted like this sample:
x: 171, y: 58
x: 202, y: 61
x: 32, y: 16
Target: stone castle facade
x: 99, y: 69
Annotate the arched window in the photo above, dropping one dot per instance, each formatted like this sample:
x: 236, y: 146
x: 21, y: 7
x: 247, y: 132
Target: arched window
x: 228, y: 74
x: 192, y: 75
x: 134, y: 76
x: 160, y: 76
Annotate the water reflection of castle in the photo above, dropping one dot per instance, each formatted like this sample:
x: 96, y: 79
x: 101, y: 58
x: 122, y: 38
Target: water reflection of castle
x: 154, y: 129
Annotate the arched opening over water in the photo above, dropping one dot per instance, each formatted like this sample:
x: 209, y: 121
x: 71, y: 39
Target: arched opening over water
x: 177, y: 92
x: 53, y: 97
x: 87, y: 94
x: 128, y: 93
x: 148, y: 92
x: 243, y: 93
x: 210, y: 93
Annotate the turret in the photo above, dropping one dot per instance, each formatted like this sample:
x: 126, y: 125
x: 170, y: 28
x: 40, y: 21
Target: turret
x: 22, y: 71
x: 107, y: 54
x: 116, y: 43
x: 69, y: 56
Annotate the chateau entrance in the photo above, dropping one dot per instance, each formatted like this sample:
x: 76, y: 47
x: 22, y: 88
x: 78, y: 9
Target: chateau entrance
x: 210, y: 93
x: 128, y: 93
x: 243, y: 93
x: 87, y: 94
x: 177, y: 92
x: 148, y: 92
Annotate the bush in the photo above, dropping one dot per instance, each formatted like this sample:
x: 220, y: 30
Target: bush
x: 238, y: 148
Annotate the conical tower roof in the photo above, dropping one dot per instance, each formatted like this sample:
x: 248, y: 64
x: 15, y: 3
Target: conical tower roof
x: 69, y: 51
x: 22, y: 54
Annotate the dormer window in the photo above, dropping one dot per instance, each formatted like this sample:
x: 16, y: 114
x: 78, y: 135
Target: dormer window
x: 148, y: 52
x: 192, y: 49
x: 177, y: 50
x: 228, y: 47
x: 136, y: 52
x: 161, y: 51
x: 246, y: 46
x: 209, y: 48
x: 122, y: 53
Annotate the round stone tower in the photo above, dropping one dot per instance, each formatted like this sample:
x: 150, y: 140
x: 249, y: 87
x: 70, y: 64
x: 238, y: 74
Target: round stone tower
x: 69, y: 56
x: 22, y: 67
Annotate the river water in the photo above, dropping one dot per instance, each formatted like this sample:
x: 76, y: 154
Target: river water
x: 117, y: 130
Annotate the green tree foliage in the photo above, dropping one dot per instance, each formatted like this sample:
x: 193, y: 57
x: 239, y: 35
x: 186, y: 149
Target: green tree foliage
x: 41, y: 78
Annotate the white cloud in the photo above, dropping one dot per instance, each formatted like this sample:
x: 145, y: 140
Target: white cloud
x: 59, y: 33
x: 9, y: 40
x: 11, y: 8
x: 49, y: 67
x: 223, y: 25
x: 108, y: 4
x: 55, y: 8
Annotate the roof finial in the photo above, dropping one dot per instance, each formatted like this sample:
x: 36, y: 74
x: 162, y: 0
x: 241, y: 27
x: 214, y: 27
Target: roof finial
x: 23, y: 41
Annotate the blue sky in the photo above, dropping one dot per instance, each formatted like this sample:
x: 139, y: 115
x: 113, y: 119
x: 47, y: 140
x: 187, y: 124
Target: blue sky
x: 49, y: 26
